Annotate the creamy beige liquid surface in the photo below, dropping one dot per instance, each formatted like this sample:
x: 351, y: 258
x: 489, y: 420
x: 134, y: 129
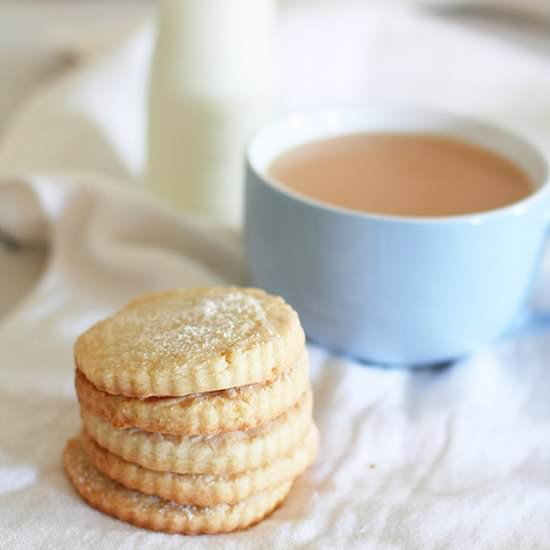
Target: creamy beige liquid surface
x: 401, y: 174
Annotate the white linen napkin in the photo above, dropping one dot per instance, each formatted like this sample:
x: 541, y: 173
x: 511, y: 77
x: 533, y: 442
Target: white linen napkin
x: 449, y: 458
x: 90, y: 119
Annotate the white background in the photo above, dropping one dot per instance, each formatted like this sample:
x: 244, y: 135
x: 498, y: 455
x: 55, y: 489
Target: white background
x: 32, y: 32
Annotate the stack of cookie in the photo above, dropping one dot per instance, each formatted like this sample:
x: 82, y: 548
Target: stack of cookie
x: 196, y: 410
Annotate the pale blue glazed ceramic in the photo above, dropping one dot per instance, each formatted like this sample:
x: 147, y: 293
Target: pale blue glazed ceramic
x: 389, y: 289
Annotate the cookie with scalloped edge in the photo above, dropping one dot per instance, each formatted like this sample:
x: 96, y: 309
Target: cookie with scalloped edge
x: 214, y: 412
x: 204, y: 489
x: 158, y: 514
x: 186, y: 341
x: 221, y: 454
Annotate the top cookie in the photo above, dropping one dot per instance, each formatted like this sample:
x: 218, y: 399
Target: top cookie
x: 191, y: 341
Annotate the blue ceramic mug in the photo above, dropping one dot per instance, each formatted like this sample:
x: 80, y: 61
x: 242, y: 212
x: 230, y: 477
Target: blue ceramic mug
x: 392, y: 289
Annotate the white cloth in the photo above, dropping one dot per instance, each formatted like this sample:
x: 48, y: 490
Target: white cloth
x: 452, y: 458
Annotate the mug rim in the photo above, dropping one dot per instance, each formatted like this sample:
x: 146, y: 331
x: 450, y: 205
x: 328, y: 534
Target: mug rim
x: 515, y: 208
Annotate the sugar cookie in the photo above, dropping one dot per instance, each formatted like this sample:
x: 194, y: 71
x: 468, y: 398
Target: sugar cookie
x: 222, y: 454
x: 206, y: 413
x: 191, y: 341
x: 203, y: 489
x: 163, y: 515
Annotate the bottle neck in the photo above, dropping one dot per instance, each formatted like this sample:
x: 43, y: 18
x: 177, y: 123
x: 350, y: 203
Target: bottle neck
x: 211, y: 46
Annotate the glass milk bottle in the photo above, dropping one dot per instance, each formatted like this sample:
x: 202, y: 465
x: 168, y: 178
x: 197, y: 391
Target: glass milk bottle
x: 212, y: 84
